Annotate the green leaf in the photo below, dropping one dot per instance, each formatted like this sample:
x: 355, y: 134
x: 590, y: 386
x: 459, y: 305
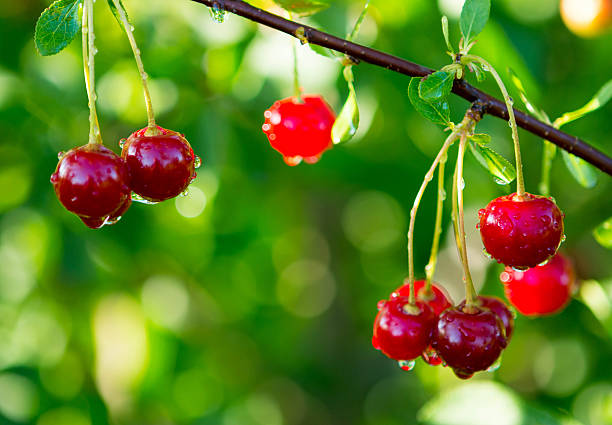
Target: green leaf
x: 113, y: 9
x: 580, y: 169
x: 541, y: 115
x: 347, y: 123
x: 480, y: 138
x: 303, y: 7
x: 436, y: 86
x: 602, y: 97
x: 437, y: 112
x: 323, y: 51
x: 57, y: 26
x: 497, y: 165
x: 474, y: 17
x: 603, y: 233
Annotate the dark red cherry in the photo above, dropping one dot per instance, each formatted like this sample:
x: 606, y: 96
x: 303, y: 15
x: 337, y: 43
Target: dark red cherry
x: 497, y: 306
x: 91, y: 181
x: 469, y: 341
x: 299, y: 130
x: 402, y: 331
x: 161, y: 163
x: 437, y: 298
x: 541, y: 290
x: 521, y: 232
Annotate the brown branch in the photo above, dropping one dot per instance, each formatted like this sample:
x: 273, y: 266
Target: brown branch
x: 492, y: 105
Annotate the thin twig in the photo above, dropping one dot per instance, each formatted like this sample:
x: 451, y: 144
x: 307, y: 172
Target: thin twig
x: 492, y: 105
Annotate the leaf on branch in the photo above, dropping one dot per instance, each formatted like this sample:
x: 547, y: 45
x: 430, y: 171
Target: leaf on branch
x: 437, y: 112
x: 113, y: 9
x: 436, y: 86
x: 540, y: 114
x: 57, y: 26
x: 603, y: 233
x: 480, y: 138
x: 323, y: 51
x: 580, y: 169
x: 474, y: 17
x: 303, y: 7
x: 602, y: 97
x: 347, y: 123
x: 503, y: 171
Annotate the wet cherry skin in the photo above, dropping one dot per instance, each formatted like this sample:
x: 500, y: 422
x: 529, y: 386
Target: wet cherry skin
x: 161, y: 164
x: 521, y: 232
x: 299, y: 130
x: 91, y: 181
x: 541, y: 290
x: 469, y: 339
x: 438, y: 299
x: 400, y: 334
x: 497, y: 306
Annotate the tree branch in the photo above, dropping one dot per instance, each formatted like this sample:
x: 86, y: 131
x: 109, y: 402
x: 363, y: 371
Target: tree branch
x: 492, y: 105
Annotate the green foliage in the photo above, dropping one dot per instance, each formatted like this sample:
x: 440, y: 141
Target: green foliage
x: 499, y: 167
x: 603, y: 233
x: 113, y: 9
x: 602, y: 97
x: 437, y: 112
x: 474, y: 17
x: 583, y: 172
x: 480, y: 138
x: 347, y: 123
x: 57, y: 26
x: 303, y: 7
x: 436, y: 86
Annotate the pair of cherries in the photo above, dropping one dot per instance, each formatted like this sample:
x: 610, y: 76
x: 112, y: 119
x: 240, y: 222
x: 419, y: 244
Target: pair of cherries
x: 96, y: 184
x: 467, y: 338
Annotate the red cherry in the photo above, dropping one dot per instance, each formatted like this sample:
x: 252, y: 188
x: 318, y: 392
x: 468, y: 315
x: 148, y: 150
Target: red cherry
x: 497, y: 306
x: 400, y: 333
x: 91, y: 181
x: 161, y: 164
x: 299, y: 130
x: 470, y: 340
x: 521, y: 232
x: 438, y: 299
x: 541, y: 290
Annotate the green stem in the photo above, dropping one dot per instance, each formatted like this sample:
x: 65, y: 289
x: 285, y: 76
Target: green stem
x: 129, y: 31
x: 89, y: 50
x: 547, y: 156
x: 430, y: 268
x: 297, y: 90
x: 520, y: 183
x: 470, y: 292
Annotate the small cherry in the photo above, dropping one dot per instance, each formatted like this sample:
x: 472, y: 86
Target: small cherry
x: 91, y: 181
x: 469, y: 339
x: 521, y: 231
x: 497, y: 306
x: 542, y: 290
x: 402, y: 331
x: 300, y: 129
x: 161, y: 163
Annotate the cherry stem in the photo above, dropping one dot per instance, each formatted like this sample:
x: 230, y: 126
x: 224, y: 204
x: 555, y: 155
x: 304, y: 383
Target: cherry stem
x: 459, y: 225
x: 129, y: 31
x: 89, y: 50
x: 430, y: 268
x: 520, y: 183
x: 547, y: 157
x: 297, y: 90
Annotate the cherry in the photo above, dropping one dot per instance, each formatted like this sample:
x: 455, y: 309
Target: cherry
x: 402, y: 331
x: 541, y: 290
x: 438, y: 299
x: 299, y: 129
x: 91, y: 181
x: 469, y: 339
x: 161, y: 163
x: 521, y: 232
x: 497, y: 306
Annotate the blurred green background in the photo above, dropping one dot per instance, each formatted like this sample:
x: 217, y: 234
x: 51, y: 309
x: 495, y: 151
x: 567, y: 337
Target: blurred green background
x: 251, y: 300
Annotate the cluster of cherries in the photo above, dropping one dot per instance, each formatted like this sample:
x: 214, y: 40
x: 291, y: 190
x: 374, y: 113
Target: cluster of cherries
x: 521, y: 231
x: 96, y: 184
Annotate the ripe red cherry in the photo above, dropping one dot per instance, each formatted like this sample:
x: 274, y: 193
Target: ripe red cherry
x: 541, y: 290
x: 300, y: 130
x: 497, y: 306
x: 469, y: 340
x: 521, y: 232
x: 438, y: 299
x: 91, y: 181
x: 400, y: 333
x: 161, y: 164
